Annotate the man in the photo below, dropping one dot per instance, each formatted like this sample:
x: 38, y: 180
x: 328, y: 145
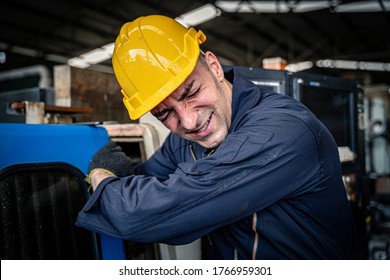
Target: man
x: 251, y: 171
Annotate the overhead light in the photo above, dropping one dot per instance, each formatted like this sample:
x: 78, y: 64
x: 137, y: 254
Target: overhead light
x: 363, y: 6
x: 310, y: 6
x: 253, y: 6
x: 93, y: 57
x: 353, y: 65
x: 199, y: 15
x: 274, y: 6
x: 300, y: 66
x: 78, y: 62
x: 98, y: 55
x: 277, y: 6
x: 3, y: 57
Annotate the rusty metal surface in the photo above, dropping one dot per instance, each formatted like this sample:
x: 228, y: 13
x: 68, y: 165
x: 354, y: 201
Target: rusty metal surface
x: 86, y: 88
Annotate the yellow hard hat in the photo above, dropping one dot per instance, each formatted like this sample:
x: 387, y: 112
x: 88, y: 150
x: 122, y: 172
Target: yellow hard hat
x: 153, y: 55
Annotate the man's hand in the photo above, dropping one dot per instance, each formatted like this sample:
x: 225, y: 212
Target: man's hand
x: 111, y: 160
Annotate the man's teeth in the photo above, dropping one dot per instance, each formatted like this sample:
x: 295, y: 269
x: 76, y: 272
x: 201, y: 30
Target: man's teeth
x: 204, y: 127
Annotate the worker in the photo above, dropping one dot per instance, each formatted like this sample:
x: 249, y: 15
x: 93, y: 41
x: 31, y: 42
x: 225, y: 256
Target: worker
x: 252, y: 172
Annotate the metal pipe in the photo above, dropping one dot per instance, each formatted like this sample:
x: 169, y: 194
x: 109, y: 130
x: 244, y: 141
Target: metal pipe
x: 41, y: 70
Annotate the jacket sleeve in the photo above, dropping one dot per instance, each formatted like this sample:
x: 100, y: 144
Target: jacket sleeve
x: 250, y: 170
x: 163, y: 162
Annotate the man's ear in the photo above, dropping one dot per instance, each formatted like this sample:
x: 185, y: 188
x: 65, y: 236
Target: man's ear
x: 214, y: 65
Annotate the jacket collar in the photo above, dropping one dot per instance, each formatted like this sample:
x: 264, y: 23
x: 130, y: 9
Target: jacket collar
x: 245, y: 96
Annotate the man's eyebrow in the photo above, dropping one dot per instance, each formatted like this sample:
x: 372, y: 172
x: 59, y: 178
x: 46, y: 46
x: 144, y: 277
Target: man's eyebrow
x: 186, y: 91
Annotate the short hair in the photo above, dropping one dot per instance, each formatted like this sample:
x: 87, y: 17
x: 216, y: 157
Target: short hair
x: 202, y: 60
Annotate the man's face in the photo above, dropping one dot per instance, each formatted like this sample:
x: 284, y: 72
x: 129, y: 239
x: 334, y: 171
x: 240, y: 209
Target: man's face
x: 200, y: 109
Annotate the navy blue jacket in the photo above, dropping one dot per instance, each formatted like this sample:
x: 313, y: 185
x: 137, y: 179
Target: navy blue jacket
x: 271, y: 190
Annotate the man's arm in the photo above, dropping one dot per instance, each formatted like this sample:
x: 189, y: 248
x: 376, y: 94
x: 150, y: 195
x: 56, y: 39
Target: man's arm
x: 244, y: 175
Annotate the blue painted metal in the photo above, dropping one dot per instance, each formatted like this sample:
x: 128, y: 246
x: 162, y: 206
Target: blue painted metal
x: 74, y: 144
x: 28, y: 143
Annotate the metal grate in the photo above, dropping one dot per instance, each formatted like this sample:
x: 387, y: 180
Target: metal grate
x: 39, y: 205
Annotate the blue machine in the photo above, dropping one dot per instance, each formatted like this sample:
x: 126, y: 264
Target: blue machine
x: 73, y: 145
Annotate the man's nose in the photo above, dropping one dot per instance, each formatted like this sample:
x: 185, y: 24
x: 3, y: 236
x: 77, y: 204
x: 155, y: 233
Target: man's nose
x: 188, y: 117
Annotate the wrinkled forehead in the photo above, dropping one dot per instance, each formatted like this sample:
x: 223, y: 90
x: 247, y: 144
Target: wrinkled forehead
x: 193, y: 80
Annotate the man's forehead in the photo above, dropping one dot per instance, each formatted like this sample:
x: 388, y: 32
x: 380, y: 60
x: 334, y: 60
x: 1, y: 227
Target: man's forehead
x: 176, y: 95
x: 187, y: 85
x: 183, y: 88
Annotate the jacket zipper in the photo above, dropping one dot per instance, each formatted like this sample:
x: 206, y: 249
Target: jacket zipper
x: 254, y: 220
x: 256, y: 242
x: 192, y: 153
x: 194, y: 158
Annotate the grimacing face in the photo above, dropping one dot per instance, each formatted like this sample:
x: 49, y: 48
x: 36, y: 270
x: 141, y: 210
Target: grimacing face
x: 200, y: 109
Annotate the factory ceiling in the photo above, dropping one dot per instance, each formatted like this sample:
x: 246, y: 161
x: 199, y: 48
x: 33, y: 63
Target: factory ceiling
x: 242, y: 33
